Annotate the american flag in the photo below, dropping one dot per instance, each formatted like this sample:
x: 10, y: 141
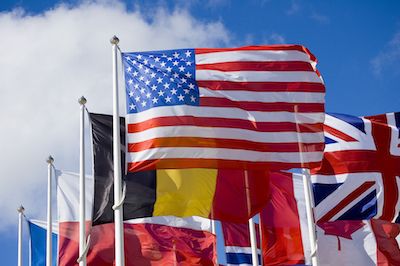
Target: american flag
x: 360, y: 174
x: 251, y: 107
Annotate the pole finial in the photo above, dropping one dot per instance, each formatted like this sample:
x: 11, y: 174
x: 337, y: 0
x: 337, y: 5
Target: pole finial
x: 82, y: 101
x: 21, y: 209
x: 50, y: 160
x: 114, y: 40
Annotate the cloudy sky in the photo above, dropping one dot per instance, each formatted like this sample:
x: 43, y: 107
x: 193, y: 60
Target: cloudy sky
x: 52, y: 52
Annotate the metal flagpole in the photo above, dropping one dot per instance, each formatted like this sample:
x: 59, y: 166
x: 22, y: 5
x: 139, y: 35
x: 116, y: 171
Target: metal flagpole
x: 261, y: 237
x: 252, y: 231
x: 308, y: 199
x: 20, y: 210
x: 82, y: 211
x: 49, y: 231
x: 253, y: 242
x: 118, y: 210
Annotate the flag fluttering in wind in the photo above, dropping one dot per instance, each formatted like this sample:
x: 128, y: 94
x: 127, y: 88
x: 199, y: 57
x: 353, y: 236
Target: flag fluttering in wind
x: 237, y: 243
x: 256, y: 107
x: 148, y: 241
x: 37, y: 243
x: 359, y: 176
x: 222, y: 194
x: 358, y: 242
x: 284, y: 224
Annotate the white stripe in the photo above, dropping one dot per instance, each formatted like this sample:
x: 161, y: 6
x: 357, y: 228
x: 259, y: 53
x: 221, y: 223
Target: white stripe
x: 227, y: 154
x: 237, y: 249
x: 265, y: 97
x: 260, y: 56
x: 193, y: 222
x: 68, y: 196
x: 350, y: 182
x: 329, y: 179
x: 222, y: 112
x: 224, y: 133
x: 258, y: 76
x: 43, y: 224
x: 354, y: 202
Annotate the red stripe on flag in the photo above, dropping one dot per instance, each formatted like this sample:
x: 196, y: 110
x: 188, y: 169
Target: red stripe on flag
x: 262, y: 86
x: 258, y: 66
x: 223, y: 122
x: 338, y: 133
x: 346, y: 201
x: 213, y: 163
x: 224, y: 143
x: 288, y: 47
x: 262, y: 107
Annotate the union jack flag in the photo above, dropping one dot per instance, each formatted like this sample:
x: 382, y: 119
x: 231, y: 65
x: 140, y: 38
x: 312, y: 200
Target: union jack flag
x: 359, y: 177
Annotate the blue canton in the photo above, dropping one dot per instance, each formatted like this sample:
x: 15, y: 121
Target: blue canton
x: 160, y: 78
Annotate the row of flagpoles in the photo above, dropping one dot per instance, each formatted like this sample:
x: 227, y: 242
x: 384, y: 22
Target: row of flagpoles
x: 119, y: 195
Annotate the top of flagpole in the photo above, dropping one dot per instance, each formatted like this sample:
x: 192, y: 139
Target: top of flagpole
x: 21, y: 209
x: 82, y: 101
x: 50, y: 160
x: 114, y: 40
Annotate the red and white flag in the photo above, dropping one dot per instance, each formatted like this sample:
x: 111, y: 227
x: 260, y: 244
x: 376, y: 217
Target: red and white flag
x: 252, y: 107
x: 283, y: 223
x: 362, y: 242
x: 162, y: 240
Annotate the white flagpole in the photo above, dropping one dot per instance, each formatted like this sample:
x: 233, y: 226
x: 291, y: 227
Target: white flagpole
x: 253, y: 242
x: 252, y: 231
x: 261, y: 238
x: 20, y: 210
x: 49, y: 231
x: 82, y: 211
x: 308, y: 199
x: 118, y: 210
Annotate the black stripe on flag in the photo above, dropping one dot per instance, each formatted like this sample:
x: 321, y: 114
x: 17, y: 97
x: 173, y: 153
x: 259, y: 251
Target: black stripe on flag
x: 140, y: 187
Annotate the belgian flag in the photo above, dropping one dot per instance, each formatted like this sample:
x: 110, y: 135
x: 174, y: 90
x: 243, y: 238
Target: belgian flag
x: 221, y: 194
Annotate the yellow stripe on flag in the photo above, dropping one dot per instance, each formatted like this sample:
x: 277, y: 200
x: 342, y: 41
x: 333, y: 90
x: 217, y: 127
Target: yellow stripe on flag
x: 185, y: 192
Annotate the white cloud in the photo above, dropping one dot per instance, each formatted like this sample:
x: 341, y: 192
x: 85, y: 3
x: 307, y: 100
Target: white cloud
x: 294, y: 8
x: 47, y: 62
x: 320, y: 18
x: 276, y: 38
x: 388, y: 57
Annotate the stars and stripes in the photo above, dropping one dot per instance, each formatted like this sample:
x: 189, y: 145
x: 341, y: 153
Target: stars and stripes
x: 248, y: 107
x: 360, y: 174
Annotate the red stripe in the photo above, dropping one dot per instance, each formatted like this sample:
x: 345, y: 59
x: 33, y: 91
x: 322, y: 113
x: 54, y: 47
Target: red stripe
x: 258, y: 66
x: 346, y: 201
x: 342, y: 162
x: 262, y: 86
x: 262, y: 107
x: 287, y: 47
x: 214, y: 164
x: 338, y: 133
x: 223, y: 122
x: 223, y: 143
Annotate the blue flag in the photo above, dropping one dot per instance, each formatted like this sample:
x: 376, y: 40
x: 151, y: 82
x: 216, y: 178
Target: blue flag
x: 37, y: 243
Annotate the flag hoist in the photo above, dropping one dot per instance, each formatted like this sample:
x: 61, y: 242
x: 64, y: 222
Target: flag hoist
x: 50, y: 162
x: 20, y: 210
x: 118, y: 199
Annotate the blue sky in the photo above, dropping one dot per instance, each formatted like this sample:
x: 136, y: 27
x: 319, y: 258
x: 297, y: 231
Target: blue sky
x: 357, y: 44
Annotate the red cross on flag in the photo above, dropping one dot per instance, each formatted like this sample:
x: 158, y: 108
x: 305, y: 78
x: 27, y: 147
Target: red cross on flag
x: 360, y: 173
